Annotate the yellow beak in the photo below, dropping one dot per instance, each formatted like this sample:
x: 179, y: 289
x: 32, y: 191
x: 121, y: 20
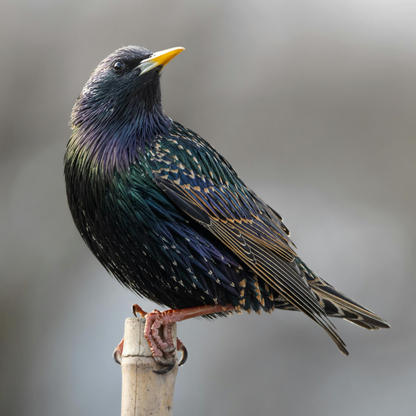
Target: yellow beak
x: 159, y: 59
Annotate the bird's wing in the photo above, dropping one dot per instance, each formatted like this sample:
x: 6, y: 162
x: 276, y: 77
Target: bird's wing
x: 205, y: 187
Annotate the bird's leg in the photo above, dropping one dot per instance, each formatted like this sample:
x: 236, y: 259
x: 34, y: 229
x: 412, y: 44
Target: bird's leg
x: 163, y: 350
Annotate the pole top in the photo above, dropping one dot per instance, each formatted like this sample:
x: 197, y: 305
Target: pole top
x: 135, y: 343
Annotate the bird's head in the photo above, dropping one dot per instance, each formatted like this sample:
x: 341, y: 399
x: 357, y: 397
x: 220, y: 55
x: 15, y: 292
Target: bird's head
x: 124, y: 90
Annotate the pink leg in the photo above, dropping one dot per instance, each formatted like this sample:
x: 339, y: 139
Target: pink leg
x: 163, y: 350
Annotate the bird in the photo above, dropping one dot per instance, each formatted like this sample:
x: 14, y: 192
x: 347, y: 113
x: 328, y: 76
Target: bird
x: 171, y: 220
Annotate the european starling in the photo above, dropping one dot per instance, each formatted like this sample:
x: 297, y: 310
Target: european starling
x: 168, y: 216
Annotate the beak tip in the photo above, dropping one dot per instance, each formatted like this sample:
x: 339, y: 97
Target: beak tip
x: 159, y: 59
x: 178, y: 50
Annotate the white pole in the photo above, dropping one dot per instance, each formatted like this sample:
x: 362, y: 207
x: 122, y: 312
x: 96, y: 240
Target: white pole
x: 143, y: 392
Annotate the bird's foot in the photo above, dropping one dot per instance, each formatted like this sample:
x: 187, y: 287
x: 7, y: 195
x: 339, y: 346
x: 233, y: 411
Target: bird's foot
x: 118, y: 351
x: 158, y: 332
x: 162, y: 347
x: 160, y: 323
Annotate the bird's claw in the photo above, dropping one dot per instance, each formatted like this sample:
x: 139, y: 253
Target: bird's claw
x: 118, y: 352
x: 184, y: 352
x: 136, y: 309
x: 168, y: 364
x: 117, y: 357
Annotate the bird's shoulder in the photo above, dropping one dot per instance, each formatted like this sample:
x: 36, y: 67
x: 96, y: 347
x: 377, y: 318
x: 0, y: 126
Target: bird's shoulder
x: 186, y: 152
x: 195, y: 174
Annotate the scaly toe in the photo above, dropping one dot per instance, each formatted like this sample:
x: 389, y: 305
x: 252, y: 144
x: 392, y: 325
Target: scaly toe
x: 168, y: 364
x: 136, y: 309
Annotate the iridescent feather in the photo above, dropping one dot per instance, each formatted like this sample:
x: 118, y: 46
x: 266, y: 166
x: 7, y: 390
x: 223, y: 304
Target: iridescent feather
x: 168, y: 216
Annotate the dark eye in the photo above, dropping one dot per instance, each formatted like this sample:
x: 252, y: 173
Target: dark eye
x: 118, y: 66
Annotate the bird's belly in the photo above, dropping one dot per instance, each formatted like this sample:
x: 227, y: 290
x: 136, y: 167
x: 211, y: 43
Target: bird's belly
x: 146, y: 243
x: 141, y: 238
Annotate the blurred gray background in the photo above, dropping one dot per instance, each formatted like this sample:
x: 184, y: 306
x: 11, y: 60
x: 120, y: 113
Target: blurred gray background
x: 314, y: 104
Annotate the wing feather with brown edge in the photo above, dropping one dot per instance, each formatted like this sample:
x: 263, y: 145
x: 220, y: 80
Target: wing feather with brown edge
x: 240, y: 220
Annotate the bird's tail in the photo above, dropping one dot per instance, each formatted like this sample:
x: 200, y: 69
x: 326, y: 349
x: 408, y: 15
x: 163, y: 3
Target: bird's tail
x: 337, y: 305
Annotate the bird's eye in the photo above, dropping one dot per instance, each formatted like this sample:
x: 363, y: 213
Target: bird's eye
x: 118, y: 66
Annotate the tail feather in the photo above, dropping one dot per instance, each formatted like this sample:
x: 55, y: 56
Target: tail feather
x: 364, y: 325
x: 337, y: 305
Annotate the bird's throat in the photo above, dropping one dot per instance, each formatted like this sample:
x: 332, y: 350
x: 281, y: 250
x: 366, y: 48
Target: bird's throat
x: 115, y: 143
